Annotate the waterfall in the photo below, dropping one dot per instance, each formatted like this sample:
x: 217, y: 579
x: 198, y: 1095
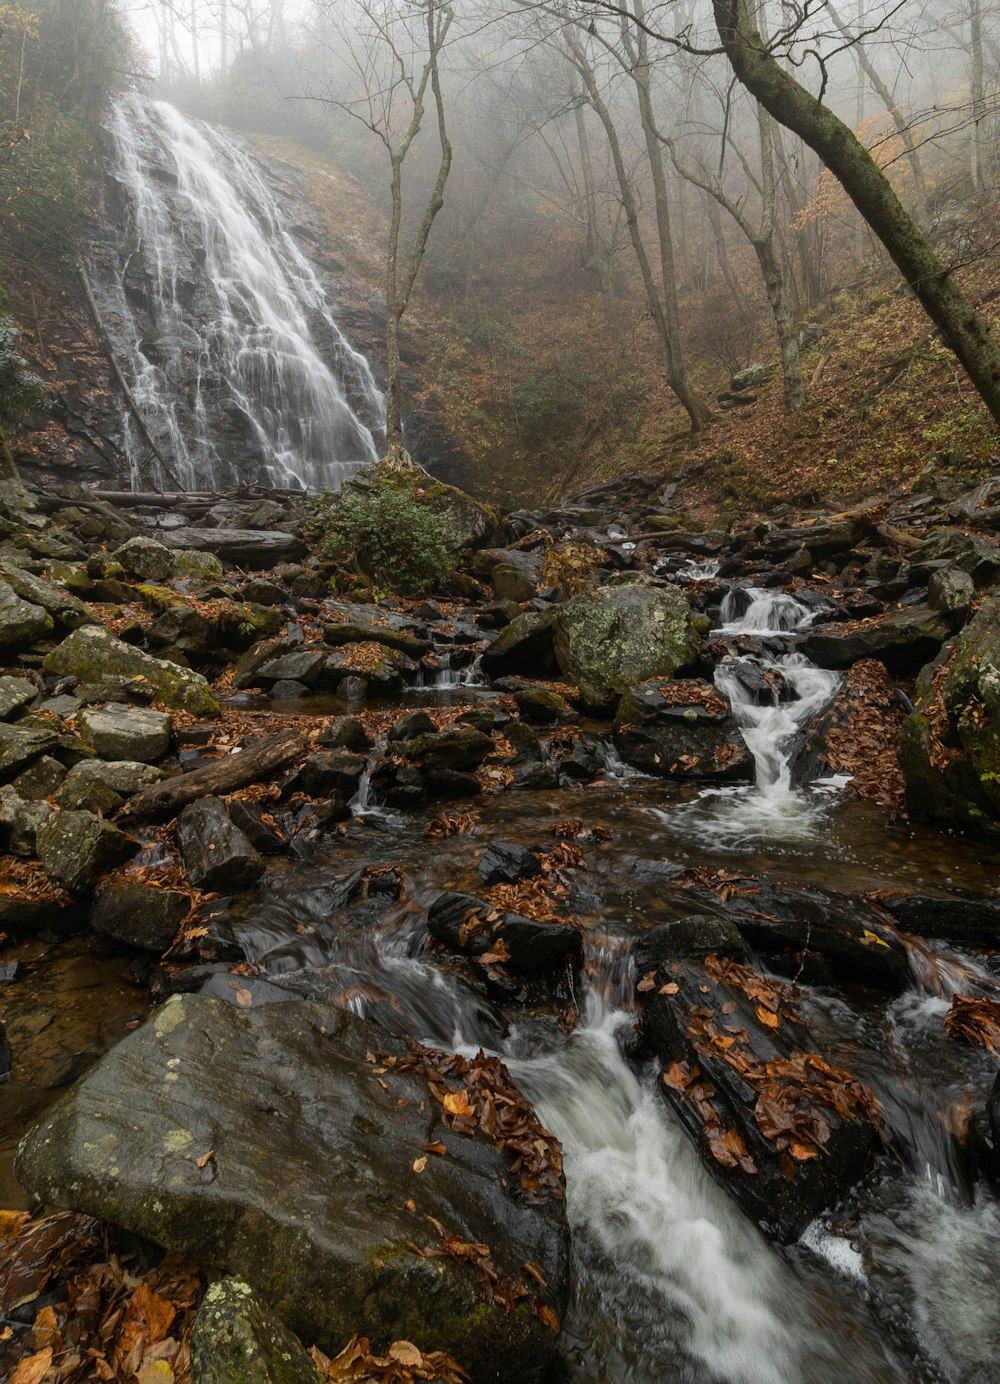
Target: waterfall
x: 220, y: 321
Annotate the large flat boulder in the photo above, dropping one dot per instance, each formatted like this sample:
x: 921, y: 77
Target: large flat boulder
x: 92, y: 653
x: 904, y: 640
x: 122, y: 732
x: 296, y: 1147
x: 634, y: 628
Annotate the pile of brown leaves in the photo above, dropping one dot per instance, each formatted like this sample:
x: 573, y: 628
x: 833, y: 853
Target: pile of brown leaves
x: 690, y: 692
x: 482, y: 1096
x: 111, y: 1325
x: 974, y: 1021
x: 452, y: 824
x: 863, y: 740
x: 401, y: 1364
x: 793, y: 1092
x: 721, y: 882
x: 495, y: 1288
x: 574, y: 829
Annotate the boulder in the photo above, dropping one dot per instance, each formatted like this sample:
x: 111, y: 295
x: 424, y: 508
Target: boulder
x: 144, y: 559
x: 15, y: 695
x: 141, y: 915
x: 475, y: 928
x: 279, y: 1144
x: 217, y: 855
x: 524, y: 646
x: 454, y: 748
x: 470, y: 524
x: 92, y: 652
x: 950, y: 746
x: 75, y: 849
x: 237, y: 1339
x: 698, y: 935
x: 66, y: 610
x: 904, y: 640
x: 329, y: 773
x: 126, y: 733
x: 40, y: 780
x: 976, y: 921
x: 97, y: 785
x: 253, y: 548
x: 681, y: 728
x: 19, y: 821
x: 951, y: 591
x: 304, y: 666
x: 409, y: 644
x: 634, y: 628
x: 784, y: 1132
x: 505, y: 862
x: 21, y: 623
x: 20, y: 745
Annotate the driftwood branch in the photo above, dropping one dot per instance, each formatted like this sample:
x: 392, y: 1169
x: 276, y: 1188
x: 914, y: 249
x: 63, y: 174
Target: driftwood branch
x: 258, y: 761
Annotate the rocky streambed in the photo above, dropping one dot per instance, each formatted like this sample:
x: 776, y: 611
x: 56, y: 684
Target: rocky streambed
x: 571, y: 973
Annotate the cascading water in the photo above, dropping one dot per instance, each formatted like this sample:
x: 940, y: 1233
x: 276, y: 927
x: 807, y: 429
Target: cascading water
x: 774, y: 694
x: 236, y: 365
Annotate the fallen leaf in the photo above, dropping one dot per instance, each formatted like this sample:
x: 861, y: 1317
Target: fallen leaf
x: 205, y: 1159
x: 419, y: 1164
x: 406, y: 1353
x: 766, y: 1017
x: 437, y: 1147
x: 33, y: 1369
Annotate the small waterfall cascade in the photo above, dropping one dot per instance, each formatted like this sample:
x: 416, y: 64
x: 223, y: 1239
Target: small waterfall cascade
x: 774, y: 693
x: 220, y: 322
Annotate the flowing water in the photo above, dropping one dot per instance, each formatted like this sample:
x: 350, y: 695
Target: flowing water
x: 230, y: 347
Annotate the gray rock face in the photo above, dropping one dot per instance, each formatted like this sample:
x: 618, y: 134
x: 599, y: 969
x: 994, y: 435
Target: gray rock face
x: 19, y: 821
x: 254, y: 548
x: 40, y: 779
x: 99, y: 786
x: 217, y: 856
x: 680, y: 729
x: 237, y: 1339
x: 21, y: 623
x: 19, y: 745
x: 92, y: 652
x: 304, y: 1196
x: 15, y: 695
x: 525, y: 646
x: 145, y: 560
x: 623, y: 633
x: 951, y: 591
x: 65, y: 609
x: 75, y: 848
x: 124, y: 732
x: 140, y: 915
x: 903, y: 640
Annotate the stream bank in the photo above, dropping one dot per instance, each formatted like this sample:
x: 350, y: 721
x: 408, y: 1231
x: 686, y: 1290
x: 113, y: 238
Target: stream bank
x: 669, y: 895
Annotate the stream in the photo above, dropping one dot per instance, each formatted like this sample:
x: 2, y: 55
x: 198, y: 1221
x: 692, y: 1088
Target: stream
x: 671, y: 1281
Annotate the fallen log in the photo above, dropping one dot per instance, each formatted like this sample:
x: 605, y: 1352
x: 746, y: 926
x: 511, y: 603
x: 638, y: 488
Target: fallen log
x: 258, y: 761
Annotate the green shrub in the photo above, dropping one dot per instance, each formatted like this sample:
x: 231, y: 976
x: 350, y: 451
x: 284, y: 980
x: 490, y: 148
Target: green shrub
x: 388, y: 535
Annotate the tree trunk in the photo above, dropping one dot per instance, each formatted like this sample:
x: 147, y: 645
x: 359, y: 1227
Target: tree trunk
x: 979, y: 160
x: 964, y: 330
x: 784, y: 330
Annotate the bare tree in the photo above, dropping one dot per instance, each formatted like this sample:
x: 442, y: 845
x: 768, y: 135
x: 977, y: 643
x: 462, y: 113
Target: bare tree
x: 395, y: 53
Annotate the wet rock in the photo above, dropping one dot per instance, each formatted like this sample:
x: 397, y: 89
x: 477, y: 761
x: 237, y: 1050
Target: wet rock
x: 525, y: 647
x: 75, y: 849
x: 330, y: 774
x: 249, y: 818
x: 513, y: 574
x: 144, y: 559
x: 791, y: 926
x: 40, y: 779
x: 237, y: 1339
x: 977, y: 556
x: 698, y: 935
x: 904, y: 640
x: 535, y: 702
x: 475, y: 928
x: 305, y: 1194
x: 634, y: 628
x: 92, y: 652
x: 681, y: 729
x: 409, y: 727
x: 783, y: 1132
x: 288, y: 691
x: 217, y: 855
x: 21, y: 623
x: 347, y: 732
x: 15, y: 695
x: 19, y: 822
x: 102, y: 786
x: 140, y: 915
x: 976, y: 921
x: 454, y: 748
x: 126, y: 733
x: 505, y: 862
x: 20, y: 745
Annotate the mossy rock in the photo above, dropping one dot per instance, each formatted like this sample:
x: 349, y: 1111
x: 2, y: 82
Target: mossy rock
x: 471, y: 524
x: 92, y: 653
x: 237, y: 1339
